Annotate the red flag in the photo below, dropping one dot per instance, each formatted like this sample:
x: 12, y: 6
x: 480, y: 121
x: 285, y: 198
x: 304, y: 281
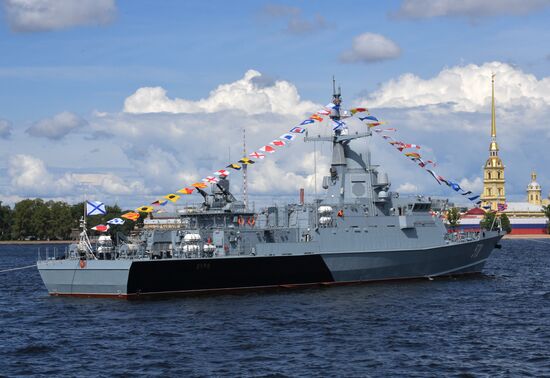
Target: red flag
x: 101, y: 228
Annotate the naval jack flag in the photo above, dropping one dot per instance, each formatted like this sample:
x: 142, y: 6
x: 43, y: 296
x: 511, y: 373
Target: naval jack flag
x: 95, y: 208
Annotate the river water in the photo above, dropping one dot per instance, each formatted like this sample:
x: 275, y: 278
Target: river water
x: 495, y: 324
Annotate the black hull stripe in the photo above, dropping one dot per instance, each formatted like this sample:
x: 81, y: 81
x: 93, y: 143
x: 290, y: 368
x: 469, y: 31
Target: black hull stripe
x: 170, y: 276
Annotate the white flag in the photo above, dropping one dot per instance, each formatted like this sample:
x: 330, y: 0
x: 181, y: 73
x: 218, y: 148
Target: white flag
x: 95, y: 208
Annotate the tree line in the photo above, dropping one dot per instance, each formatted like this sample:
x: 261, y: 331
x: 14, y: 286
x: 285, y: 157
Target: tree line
x: 36, y: 219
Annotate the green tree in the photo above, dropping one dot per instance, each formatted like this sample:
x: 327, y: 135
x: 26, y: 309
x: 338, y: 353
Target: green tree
x: 6, y: 215
x: 23, y: 224
x: 41, y: 220
x: 453, y: 217
x: 61, y: 221
x: 505, y: 223
x: 489, y: 223
x: 546, y: 211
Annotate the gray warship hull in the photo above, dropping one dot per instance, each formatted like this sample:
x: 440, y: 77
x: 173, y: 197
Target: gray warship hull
x: 127, y: 278
x: 359, y: 231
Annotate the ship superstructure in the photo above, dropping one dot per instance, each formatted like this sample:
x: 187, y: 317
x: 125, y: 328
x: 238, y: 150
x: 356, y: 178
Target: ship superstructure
x: 358, y: 231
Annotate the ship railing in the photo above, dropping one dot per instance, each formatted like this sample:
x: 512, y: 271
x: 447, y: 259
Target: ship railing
x: 462, y: 236
x: 52, y: 253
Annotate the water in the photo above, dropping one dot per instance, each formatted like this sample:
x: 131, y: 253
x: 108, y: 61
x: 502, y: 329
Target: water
x: 497, y: 324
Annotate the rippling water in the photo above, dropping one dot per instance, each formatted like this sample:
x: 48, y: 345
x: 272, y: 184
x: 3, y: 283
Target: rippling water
x: 494, y: 324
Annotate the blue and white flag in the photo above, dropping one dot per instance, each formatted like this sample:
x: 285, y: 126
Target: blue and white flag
x: 95, y: 208
x: 116, y: 221
x: 338, y: 125
x: 288, y: 137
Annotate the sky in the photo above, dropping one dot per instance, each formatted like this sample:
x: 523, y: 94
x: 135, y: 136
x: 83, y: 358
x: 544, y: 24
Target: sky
x: 127, y: 101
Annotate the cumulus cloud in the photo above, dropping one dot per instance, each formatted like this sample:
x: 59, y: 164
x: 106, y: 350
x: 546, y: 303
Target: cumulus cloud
x: 450, y: 116
x: 110, y: 183
x: 160, y: 152
x: 249, y: 94
x: 467, y: 8
x: 5, y: 129
x: 370, y: 47
x: 464, y: 88
x: 407, y: 188
x: 56, y: 127
x: 48, y: 15
x: 475, y: 185
x: 295, y: 22
x: 30, y: 176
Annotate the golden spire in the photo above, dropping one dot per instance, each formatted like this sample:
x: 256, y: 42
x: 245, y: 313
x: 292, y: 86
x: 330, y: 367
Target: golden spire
x: 494, y: 145
x: 493, y: 120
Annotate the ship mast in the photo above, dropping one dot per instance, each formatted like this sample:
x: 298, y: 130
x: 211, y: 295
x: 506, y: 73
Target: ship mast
x: 245, y: 182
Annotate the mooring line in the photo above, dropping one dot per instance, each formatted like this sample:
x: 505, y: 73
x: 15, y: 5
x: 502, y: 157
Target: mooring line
x: 23, y: 267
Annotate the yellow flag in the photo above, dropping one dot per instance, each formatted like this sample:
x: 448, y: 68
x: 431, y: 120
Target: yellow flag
x: 145, y: 209
x: 172, y: 197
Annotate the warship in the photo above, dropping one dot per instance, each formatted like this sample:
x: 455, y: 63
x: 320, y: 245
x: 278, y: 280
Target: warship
x: 357, y: 231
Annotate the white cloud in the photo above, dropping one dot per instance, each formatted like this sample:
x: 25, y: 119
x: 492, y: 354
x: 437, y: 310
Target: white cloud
x: 29, y: 176
x: 408, y: 188
x: 295, y: 23
x: 467, y: 8
x: 47, y: 15
x: 248, y: 94
x: 475, y: 185
x: 110, y: 184
x: 449, y: 116
x: 147, y: 155
x: 5, y: 129
x: 465, y: 88
x: 370, y: 47
x: 56, y: 127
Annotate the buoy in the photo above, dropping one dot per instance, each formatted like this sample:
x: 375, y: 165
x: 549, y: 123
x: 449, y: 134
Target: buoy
x: 240, y: 221
x: 340, y: 213
x: 251, y: 221
x: 82, y: 264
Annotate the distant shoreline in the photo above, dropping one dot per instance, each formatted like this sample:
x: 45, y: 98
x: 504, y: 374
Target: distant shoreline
x: 520, y: 236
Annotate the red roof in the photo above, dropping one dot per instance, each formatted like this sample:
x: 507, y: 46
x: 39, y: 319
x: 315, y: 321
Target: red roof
x: 475, y: 211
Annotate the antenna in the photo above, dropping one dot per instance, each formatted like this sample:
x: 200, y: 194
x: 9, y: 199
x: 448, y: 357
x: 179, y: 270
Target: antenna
x: 333, y: 85
x: 245, y: 183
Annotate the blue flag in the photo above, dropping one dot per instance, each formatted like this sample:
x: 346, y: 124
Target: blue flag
x: 372, y: 118
x: 455, y: 186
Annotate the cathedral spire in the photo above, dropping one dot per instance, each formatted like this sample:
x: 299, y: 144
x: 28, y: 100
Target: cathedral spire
x: 493, y: 171
x: 494, y: 146
x: 493, y: 118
